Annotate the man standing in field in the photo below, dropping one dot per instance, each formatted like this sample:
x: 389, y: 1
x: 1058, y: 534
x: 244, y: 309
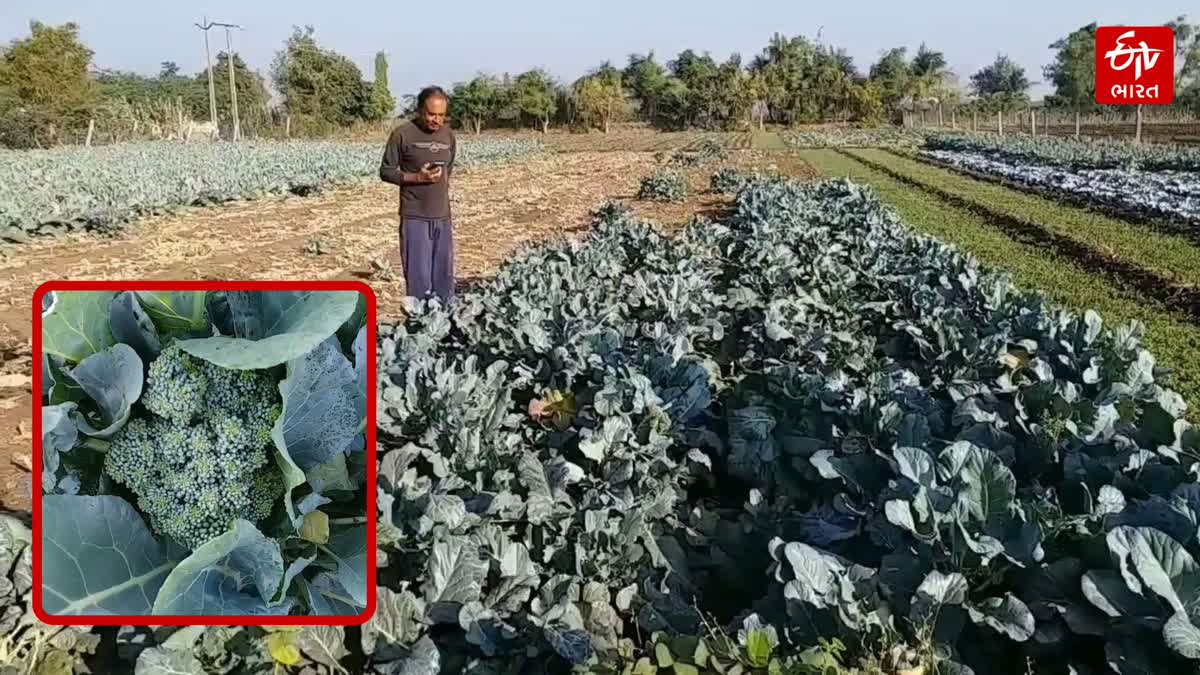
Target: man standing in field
x: 419, y: 158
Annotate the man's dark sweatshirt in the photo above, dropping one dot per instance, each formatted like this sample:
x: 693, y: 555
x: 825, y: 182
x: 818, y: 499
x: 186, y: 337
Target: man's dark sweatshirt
x: 409, y: 148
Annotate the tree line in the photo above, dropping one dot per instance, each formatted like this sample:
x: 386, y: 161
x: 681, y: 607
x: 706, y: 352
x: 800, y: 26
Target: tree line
x: 793, y: 80
x: 49, y: 90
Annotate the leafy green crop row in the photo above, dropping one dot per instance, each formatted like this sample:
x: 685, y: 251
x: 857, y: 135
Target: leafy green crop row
x: 1174, y: 339
x: 664, y: 185
x: 1170, y: 257
x: 804, y: 418
x: 882, y: 137
x: 1070, y: 153
x: 43, y: 192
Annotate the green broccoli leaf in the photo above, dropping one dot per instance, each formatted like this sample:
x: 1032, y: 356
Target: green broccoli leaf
x: 360, y: 371
x: 353, y: 326
x: 57, y: 382
x: 131, y: 325
x: 327, y: 597
x: 397, y: 620
x: 113, y: 380
x: 330, y: 476
x: 99, y: 557
x: 76, y: 325
x: 175, y: 312
x: 59, y: 434
x: 348, y: 550
x: 271, y: 328
x: 162, y: 661
x: 235, y: 574
x: 320, y: 406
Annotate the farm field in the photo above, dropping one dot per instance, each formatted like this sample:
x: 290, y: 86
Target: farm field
x: 846, y: 355
x: 981, y: 224
x: 1151, y: 183
x: 1163, y: 264
x: 774, y: 346
x: 498, y: 208
x: 640, y: 139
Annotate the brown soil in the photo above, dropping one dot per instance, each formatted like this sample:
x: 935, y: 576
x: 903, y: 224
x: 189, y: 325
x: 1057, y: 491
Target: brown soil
x: 496, y: 210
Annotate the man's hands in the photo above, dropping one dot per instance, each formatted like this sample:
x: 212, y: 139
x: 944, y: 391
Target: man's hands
x: 429, y: 174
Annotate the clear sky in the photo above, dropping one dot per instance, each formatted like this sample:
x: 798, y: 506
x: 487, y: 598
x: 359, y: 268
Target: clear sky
x: 431, y: 42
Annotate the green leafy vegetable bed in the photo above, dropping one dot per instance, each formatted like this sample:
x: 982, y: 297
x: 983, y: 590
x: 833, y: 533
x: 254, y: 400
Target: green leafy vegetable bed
x: 850, y: 137
x: 203, y: 453
x: 798, y: 438
x: 45, y: 192
x: 1069, y: 153
x: 805, y: 418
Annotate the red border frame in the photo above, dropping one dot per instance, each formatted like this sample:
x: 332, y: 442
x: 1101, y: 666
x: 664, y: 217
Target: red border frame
x: 188, y: 620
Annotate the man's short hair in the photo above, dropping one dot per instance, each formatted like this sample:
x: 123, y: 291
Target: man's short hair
x: 429, y: 92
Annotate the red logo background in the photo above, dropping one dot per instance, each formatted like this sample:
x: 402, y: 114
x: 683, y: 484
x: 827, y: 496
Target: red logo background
x: 1156, y: 84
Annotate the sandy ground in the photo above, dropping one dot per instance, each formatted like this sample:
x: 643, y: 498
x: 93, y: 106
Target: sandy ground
x: 496, y: 210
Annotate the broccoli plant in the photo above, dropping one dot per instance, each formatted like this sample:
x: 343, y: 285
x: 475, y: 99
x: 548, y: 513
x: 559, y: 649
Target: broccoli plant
x: 189, y: 432
x: 707, y: 150
x: 664, y: 186
x: 726, y: 180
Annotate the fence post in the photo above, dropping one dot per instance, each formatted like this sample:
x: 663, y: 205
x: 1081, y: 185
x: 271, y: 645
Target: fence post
x: 974, y: 120
x: 1000, y: 122
x: 953, y: 118
x: 91, y: 130
x: 1137, y: 138
x: 1033, y: 122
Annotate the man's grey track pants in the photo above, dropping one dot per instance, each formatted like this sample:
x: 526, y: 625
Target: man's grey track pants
x: 427, y: 252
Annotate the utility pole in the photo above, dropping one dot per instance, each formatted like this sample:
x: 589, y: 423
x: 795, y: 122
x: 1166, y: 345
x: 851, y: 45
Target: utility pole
x: 237, y: 125
x: 212, y: 91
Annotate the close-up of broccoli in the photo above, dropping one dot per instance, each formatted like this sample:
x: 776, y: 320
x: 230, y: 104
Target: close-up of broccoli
x: 201, y: 459
x: 204, y: 453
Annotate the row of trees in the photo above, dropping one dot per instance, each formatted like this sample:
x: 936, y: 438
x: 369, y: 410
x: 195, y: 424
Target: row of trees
x: 797, y: 80
x: 49, y: 88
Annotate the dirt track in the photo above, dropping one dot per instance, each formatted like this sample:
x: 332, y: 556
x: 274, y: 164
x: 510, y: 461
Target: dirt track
x: 496, y: 209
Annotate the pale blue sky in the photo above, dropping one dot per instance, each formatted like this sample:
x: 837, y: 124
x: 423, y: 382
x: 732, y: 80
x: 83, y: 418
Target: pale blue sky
x: 431, y: 42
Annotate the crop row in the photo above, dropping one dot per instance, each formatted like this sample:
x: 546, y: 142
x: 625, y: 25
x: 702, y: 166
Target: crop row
x: 835, y: 137
x: 1070, y: 153
x: 1172, y: 196
x: 1068, y: 281
x: 44, y: 192
x: 1162, y: 264
x: 803, y: 420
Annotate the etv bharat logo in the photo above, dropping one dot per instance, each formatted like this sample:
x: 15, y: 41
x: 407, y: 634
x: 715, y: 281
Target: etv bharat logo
x: 1135, y: 65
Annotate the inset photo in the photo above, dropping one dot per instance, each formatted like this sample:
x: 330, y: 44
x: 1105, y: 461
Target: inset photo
x: 206, y: 453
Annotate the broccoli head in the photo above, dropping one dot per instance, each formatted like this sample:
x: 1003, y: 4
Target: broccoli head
x: 201, y: 458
